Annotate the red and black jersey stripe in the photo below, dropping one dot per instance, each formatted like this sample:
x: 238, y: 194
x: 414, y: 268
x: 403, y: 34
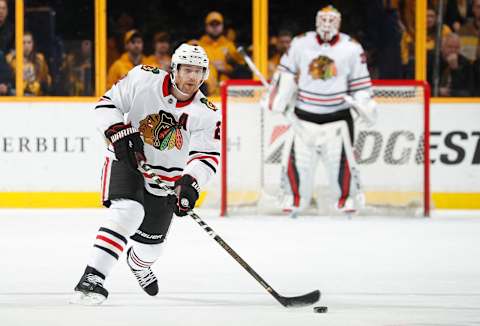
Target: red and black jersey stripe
x: 210, y: 159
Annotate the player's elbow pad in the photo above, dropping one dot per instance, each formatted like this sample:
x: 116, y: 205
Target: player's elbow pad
x: 282, y: 92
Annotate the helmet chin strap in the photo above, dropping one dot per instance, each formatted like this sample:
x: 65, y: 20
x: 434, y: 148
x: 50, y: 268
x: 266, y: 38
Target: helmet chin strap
x: 174, y: 84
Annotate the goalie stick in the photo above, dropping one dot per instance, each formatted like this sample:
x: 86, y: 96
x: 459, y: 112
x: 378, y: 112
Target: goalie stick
x: 291, y: 118
x: 298, y: 301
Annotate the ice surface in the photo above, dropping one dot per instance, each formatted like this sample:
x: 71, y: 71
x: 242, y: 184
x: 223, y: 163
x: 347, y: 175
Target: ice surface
x: 371, y: 271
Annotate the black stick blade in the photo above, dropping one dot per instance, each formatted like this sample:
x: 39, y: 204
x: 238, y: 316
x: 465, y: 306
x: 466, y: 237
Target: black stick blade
x: 300, y: 301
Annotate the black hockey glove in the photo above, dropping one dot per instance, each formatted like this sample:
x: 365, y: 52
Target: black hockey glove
x: 187, y: 190
x: 127, y: 143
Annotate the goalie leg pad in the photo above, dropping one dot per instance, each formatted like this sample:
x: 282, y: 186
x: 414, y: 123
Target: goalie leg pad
x: 301, y: 171
x: 340, y: 162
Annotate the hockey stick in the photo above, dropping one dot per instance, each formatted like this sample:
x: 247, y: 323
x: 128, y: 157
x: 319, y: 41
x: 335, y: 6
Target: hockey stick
x: 252, y: 65
x: 291, y: 118
x: 298, y: 301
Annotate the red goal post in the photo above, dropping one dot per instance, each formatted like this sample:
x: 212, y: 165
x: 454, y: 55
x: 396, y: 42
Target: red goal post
x: 393, y: 94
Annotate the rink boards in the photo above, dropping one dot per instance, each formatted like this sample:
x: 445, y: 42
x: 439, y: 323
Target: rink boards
x: 52, y: 155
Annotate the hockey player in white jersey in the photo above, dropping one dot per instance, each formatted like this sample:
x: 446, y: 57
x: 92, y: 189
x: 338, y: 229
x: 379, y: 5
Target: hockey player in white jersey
x: 320, y: 76
x: 164, y: 120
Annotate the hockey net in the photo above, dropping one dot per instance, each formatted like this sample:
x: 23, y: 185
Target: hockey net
x: 392, y: 156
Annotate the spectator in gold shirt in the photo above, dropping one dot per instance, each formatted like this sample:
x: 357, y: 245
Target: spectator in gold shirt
x: 470, y: 34
x: 432, y: 28
x: 161, y: 57
x: 282, y: 43
x: 221, y: 52
x: 36, y: 78
x: 407, y: 44
x: 132, y: 57
x: 76, y: 76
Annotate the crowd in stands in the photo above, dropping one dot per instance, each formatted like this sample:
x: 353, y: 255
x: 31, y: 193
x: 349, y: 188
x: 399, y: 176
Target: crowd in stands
x: 385, y: 28
x: 459, y: 49
x: 225, y: 61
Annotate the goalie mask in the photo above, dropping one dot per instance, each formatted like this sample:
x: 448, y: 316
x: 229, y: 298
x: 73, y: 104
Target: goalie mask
x: 187, y: 54
x: 328, y: 23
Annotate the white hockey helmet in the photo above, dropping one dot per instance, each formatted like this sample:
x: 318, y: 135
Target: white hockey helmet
x: 187, y: 54
x: 328, y: 23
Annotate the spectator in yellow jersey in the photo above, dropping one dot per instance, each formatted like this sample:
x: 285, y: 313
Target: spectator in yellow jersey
x: 36, y: 77
x: 161, y: 57
x: 456, y: 13
x: 132, y: 57
x: 115, y: 43
x: 221, y: 52
x: 283, y: 40
x: 432, y: 28
x: 470, y: 34
x: 407, y: 44
x: 76, y: 72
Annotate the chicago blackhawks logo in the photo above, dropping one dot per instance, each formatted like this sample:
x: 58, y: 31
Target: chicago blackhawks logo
x: 152, y: 69
x: 322, y: 68
x: 162, y: 131
x: 209, y: 104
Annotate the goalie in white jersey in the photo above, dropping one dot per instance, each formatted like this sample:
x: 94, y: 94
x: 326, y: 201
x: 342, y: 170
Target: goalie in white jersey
x: 164, y: 120
x: 315, y: 79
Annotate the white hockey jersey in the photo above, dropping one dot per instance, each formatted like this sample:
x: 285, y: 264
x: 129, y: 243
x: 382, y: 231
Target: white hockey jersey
x: 326, y: 71
x: 180, y: 137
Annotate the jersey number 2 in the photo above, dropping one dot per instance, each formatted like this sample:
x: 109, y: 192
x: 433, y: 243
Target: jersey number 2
x: 217, y: 130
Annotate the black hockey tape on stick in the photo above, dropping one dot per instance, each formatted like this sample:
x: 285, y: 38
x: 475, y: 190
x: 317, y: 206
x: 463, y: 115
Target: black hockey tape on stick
x: 298, y: 301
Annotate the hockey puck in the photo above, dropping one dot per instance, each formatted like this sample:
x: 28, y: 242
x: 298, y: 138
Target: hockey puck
x: 320, y: 309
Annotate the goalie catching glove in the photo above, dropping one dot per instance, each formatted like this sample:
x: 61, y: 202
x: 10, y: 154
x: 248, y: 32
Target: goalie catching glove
x: 187, y: 191
x: 127, y: 144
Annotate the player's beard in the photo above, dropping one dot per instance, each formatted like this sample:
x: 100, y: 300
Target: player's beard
x: 189, y: 88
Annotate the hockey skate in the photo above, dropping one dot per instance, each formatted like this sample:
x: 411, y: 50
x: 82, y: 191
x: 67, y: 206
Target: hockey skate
x: 352, y: 204
x: 145, y: 277
x: 89, y: 290
x: 288, y: 208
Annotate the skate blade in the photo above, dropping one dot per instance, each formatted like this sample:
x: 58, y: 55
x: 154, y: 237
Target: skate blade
x: 87, y: 299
